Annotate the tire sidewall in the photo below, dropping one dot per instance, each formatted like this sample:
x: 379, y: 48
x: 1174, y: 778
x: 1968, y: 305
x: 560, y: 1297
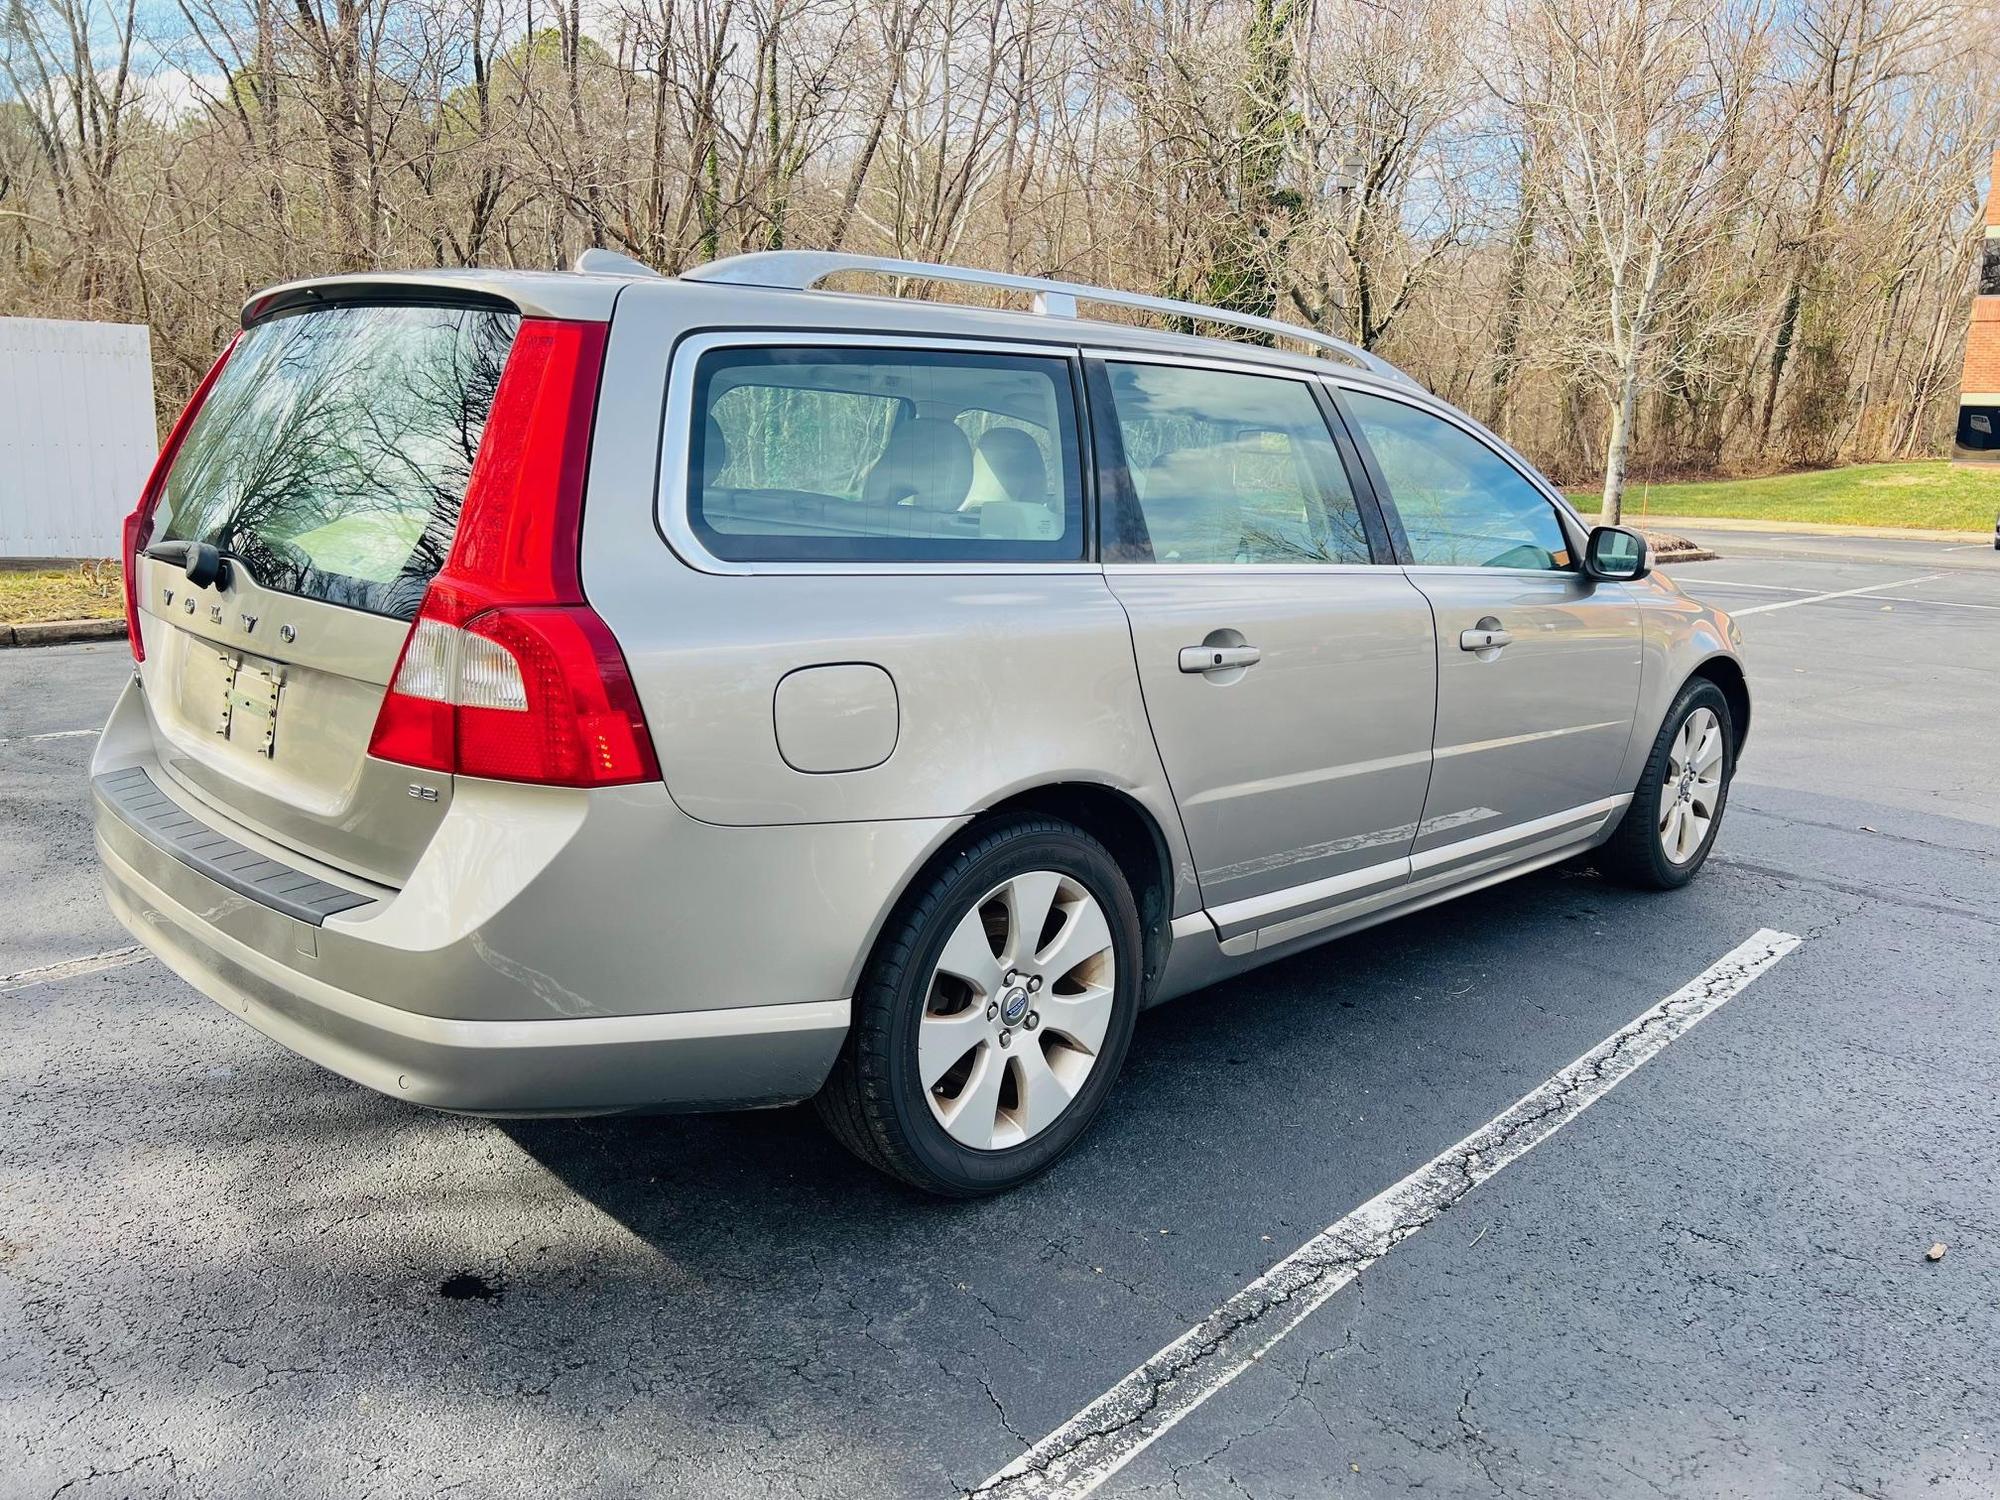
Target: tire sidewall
x: 960, y: 1169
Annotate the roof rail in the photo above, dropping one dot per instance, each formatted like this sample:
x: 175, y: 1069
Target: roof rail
x: 802, y: 270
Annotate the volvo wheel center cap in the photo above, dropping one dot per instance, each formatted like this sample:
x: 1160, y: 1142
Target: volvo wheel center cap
x: 1013, y: 1006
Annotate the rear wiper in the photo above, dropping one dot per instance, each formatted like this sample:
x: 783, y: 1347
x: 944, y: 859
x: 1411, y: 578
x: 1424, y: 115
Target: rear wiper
x: 203, y: 562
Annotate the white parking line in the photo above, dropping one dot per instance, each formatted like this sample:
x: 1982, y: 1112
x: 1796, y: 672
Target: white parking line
x: 70, y: 968
x: 1932, y: 603
x: 1731, y: 583
x: 1780, y: 588
x: 1873, y: 588
x: 1114, y: 1429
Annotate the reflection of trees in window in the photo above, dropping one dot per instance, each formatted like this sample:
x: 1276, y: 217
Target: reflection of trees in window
x: 799, y: 438
x: 1234, y: 468
x: 333, y: 455
x: 1461, y: 504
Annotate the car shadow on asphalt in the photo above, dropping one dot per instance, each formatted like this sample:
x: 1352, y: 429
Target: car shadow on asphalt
x: 1285, y: 1093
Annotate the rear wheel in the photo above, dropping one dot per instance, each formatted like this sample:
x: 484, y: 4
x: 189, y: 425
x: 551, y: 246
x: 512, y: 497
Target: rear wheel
x: 1677, y: 810
x: 994, y: 1015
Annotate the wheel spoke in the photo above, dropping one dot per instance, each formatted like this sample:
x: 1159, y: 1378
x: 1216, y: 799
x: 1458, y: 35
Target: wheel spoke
x: 1708, y: 750
x: 1082, y: 1019
x: 1085, y: 934
x: 972, y: 1116
x: 969, y: 956
x: 1039, y: 1094
x: 1028, y: 899
x: 943, y: 1040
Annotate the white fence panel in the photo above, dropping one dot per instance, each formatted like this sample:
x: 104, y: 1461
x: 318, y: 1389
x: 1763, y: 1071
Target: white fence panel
x: 76, y: 434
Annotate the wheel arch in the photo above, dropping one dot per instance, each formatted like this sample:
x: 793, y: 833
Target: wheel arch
x: 1727, y: 674
x: 1118, y: 820
x: 1128, y: 829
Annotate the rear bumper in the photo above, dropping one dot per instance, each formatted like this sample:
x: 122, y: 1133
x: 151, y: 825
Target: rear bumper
x: 699, y: 1059
x: 554, y: 951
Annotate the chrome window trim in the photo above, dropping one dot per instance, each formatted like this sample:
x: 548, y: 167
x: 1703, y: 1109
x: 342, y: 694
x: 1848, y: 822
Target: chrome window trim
x: 1568, y: 575
x: 1201, y: 359
x: 671, y: 497
x: 1226, y: 570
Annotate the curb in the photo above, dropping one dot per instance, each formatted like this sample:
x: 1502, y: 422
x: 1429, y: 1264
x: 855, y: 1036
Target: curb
x: 61, y: 632
x: 1685, y: 555
x: 1807, y: 528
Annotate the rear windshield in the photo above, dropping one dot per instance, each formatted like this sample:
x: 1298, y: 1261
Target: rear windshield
x: 331, y: 456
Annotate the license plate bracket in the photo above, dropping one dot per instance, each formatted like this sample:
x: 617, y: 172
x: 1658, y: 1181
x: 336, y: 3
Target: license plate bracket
x: 252, y: 719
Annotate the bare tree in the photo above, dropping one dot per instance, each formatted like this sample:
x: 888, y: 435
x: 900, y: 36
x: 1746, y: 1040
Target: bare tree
x: 1638, y: 235
x: 1638, y: 102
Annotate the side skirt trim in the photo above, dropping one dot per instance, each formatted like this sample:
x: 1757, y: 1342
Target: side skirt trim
x: 1432, y: 874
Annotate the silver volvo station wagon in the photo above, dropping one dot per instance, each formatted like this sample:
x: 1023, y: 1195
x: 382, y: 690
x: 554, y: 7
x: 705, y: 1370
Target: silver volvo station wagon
x: 593, y: 692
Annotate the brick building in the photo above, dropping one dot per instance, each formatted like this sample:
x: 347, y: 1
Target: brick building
x: 1979, y: 391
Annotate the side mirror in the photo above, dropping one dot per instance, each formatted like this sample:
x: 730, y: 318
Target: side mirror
x: 1617, y: 554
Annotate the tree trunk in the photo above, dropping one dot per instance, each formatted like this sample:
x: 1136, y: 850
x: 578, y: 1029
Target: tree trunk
x: 1513, y: 306
x: 1618, y: 450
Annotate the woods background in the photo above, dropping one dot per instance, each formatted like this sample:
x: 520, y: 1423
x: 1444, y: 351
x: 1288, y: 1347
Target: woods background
x: 1662, y: 237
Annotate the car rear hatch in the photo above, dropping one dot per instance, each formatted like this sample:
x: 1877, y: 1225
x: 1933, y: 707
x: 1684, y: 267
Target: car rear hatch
x: 356, y: 562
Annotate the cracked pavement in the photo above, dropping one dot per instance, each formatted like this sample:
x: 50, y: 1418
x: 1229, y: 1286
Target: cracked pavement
x: 220, y: 1268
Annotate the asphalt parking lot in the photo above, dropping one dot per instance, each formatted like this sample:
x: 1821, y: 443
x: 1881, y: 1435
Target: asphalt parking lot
x: 225, y: 1272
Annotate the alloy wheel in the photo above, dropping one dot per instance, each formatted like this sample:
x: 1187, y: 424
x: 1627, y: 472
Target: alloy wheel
x: 1017, y: 1010
x: 1691, y: 790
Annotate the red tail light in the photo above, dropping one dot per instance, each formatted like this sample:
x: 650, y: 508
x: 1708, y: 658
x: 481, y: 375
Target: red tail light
x: 507, y: 672
x: 140, y: 521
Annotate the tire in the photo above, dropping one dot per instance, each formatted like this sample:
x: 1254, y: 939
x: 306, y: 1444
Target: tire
x: 913, y: 1007
x: 1646, y: 852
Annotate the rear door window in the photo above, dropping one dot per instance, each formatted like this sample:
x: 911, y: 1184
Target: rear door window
x: 332, y: 454
x: 884, y: 455
x: 1228, y: 468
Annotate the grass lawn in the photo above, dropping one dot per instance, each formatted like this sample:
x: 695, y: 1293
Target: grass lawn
x: 1936, y: 496
x: 88, y: 591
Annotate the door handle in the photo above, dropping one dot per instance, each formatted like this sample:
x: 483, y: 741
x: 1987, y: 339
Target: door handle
x: 1218, y: 658
x: 1486, y: 636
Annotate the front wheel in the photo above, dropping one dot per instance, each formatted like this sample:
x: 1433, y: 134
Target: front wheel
x: 994, y: 1014
x: 1677, y: 810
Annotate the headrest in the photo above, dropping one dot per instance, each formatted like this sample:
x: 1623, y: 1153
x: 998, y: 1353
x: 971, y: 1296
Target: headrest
x: 927, y: 462
x: 1015, y: 460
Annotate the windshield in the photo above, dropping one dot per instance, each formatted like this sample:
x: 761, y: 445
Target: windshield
x: 332, y: 454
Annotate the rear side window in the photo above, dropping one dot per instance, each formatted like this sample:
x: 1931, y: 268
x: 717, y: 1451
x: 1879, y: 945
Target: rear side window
x: 331, y: 457
x: 884, y: 455
x: 1461, y: 504
x: 1229, y: 468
